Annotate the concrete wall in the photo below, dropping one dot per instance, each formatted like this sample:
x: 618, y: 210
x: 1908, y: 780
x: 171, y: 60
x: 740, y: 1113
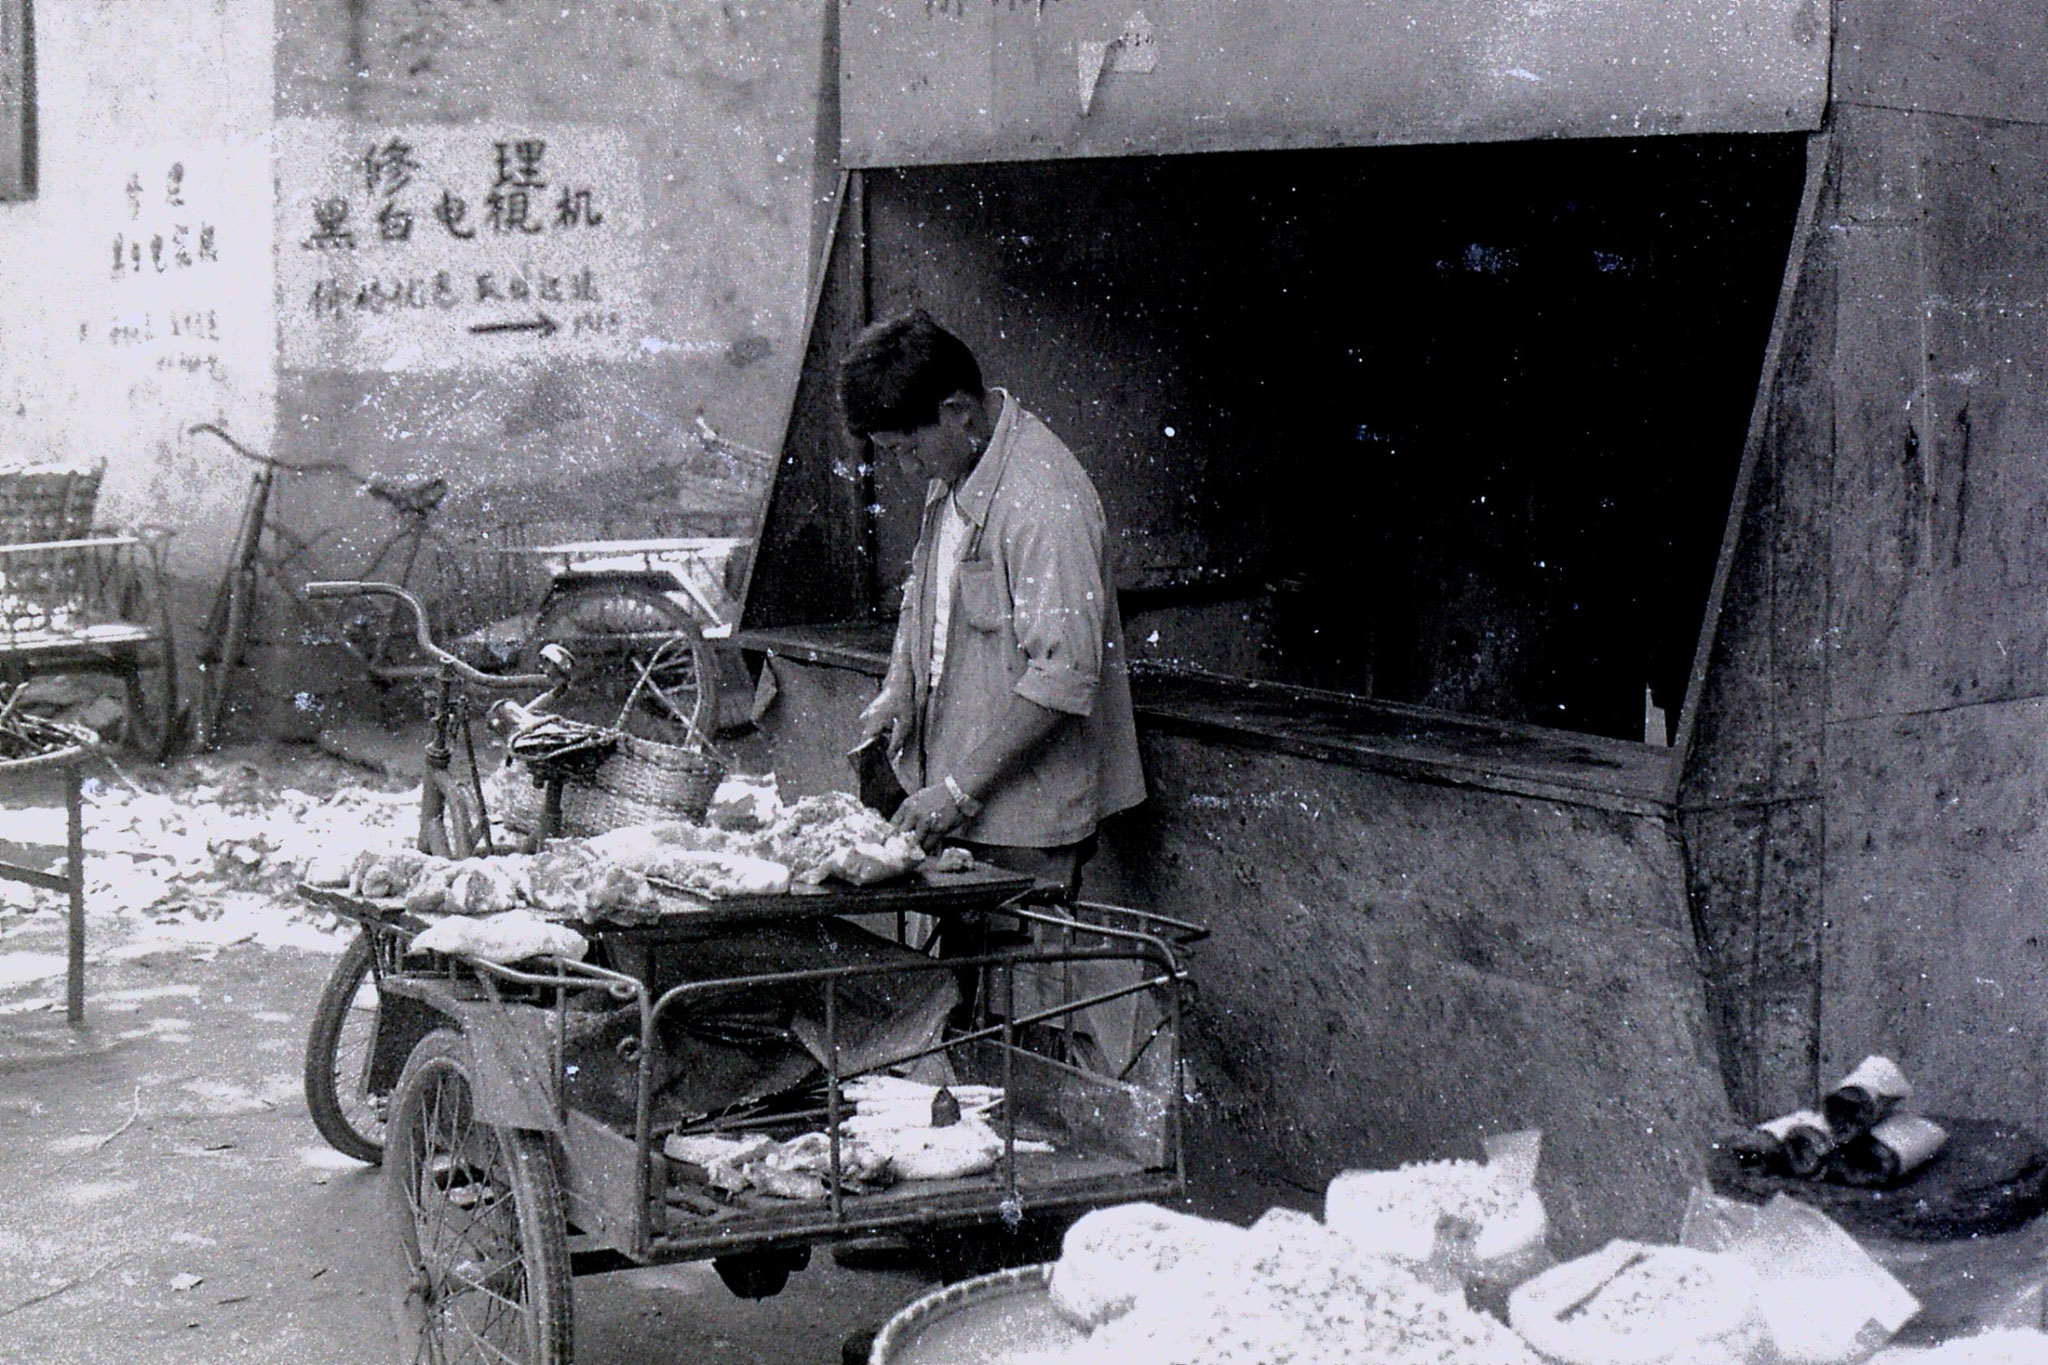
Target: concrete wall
x: 1399, y: 968
x: 709, y: 138
x: 683, y: 157
x: 172, y: 270
x: 1863, y: 803
x: 153, y: 144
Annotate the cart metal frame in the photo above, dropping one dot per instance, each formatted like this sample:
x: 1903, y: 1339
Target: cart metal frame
x: 621, y: 1191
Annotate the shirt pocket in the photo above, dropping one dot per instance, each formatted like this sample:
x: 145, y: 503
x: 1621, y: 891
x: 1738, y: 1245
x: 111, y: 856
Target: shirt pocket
x: 984, y: 603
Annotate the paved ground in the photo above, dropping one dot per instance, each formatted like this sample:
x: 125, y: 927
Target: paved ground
x: 163, y: 1194
x: 166, y: 1198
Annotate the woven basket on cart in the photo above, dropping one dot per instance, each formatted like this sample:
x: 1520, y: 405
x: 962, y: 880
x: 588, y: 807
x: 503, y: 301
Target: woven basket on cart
x: 642, y: 782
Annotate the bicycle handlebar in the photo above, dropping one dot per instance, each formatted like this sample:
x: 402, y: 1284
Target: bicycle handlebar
x: 504, y: 682
x: 257, y: 457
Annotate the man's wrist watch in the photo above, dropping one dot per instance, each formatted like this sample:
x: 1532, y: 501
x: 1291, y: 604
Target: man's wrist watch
x: 962, y: 802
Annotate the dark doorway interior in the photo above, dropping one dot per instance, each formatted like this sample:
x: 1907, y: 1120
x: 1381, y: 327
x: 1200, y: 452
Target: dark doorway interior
x: 1454, y: 426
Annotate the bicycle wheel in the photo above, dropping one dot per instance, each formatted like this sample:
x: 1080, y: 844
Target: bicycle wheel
x: 614, y: 630
x: 338, y: 1059
x: 479, y: 1211
x: 151, y: 705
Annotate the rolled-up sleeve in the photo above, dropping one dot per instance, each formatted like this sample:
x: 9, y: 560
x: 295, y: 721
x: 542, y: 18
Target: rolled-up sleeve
x: 896, y: 683
x: 1059, y: 602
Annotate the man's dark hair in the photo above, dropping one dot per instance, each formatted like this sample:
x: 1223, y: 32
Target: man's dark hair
x: 898, y: 371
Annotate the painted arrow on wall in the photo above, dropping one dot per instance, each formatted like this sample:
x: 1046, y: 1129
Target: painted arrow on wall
x: 542, y: 324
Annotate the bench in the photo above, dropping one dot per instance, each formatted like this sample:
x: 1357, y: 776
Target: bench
x: 76, y: 602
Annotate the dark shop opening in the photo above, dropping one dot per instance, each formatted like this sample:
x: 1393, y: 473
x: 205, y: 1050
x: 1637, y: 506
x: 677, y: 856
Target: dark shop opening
x: 1450, y: 426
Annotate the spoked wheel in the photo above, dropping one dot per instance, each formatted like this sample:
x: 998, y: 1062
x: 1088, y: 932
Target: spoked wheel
x: 479, y: 1210
x: 150, y: 698
x: 615, y: 629
x: 338, y: 1059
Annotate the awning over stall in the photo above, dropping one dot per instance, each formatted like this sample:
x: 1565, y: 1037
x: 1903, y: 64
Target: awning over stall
x: 934, y: 81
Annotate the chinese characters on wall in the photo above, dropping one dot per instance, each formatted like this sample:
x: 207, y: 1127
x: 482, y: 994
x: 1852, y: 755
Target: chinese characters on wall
x: 438, y: 247
x: 161, y: 258
x: 169, y: 245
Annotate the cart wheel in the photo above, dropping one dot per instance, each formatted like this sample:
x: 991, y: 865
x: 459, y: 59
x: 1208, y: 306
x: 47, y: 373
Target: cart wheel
x: 479, y: 1211
x: 589, y: 618
x: 338, y: 1059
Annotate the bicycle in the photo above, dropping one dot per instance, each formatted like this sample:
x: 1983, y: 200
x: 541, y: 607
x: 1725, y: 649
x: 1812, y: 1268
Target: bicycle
x: 346, y: 1103
x: 229, y: 622
x: 626, y: 605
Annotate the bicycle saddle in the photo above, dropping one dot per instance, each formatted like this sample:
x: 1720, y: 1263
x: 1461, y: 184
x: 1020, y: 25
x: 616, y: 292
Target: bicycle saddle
x: 413, y: 499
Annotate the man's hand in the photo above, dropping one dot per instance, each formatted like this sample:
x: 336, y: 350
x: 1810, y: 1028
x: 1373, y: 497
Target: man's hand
x: 884, y: 718
x: 883, y: 715
x: 930, y: 814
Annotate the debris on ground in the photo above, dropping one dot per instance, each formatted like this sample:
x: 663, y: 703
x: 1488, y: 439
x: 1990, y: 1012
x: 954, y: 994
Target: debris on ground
x: 23, y: 735
x: 201, y: 855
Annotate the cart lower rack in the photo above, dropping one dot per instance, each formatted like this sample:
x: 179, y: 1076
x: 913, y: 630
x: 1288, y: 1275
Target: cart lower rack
x: 531, y: 1105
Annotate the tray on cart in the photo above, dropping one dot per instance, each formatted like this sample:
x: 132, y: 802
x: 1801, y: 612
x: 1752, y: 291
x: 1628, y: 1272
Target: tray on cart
x: 1046, y: 1181
x: 920, y: 892
x: 683, y: 914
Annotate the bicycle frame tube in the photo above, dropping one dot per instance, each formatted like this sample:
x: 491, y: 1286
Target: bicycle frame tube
x: 439, y: 757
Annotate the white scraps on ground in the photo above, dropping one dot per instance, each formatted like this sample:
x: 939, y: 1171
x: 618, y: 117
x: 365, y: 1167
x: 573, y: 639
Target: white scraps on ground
x: 19, y: 969
x: 95, y: 1191
x: 327, y: 1159
x: 206, y: 857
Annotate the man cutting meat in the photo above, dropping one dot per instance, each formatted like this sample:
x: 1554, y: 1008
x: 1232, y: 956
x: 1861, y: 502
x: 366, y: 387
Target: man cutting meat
x: 1007, y: 706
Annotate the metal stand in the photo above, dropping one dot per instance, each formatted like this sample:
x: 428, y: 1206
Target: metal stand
x: 72, y: 881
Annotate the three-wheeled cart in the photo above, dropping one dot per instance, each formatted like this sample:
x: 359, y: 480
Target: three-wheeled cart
x: 530, y: 1105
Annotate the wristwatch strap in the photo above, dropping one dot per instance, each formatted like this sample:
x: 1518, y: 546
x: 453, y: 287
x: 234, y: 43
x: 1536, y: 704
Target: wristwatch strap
x: 966, y: 804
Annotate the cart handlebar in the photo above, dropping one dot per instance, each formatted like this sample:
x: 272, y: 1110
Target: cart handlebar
x: 503, y: 682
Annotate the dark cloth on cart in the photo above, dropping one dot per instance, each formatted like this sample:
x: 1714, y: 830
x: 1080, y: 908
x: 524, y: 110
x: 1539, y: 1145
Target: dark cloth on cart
x: 736, y: 1044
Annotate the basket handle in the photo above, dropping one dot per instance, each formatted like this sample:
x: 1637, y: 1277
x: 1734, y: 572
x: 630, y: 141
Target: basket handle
x: 654, y: 661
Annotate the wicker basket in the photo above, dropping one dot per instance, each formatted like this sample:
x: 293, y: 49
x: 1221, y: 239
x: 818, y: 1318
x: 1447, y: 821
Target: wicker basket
x: 41, y: 503
x: 665, y: 775
x: 642, y: 783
